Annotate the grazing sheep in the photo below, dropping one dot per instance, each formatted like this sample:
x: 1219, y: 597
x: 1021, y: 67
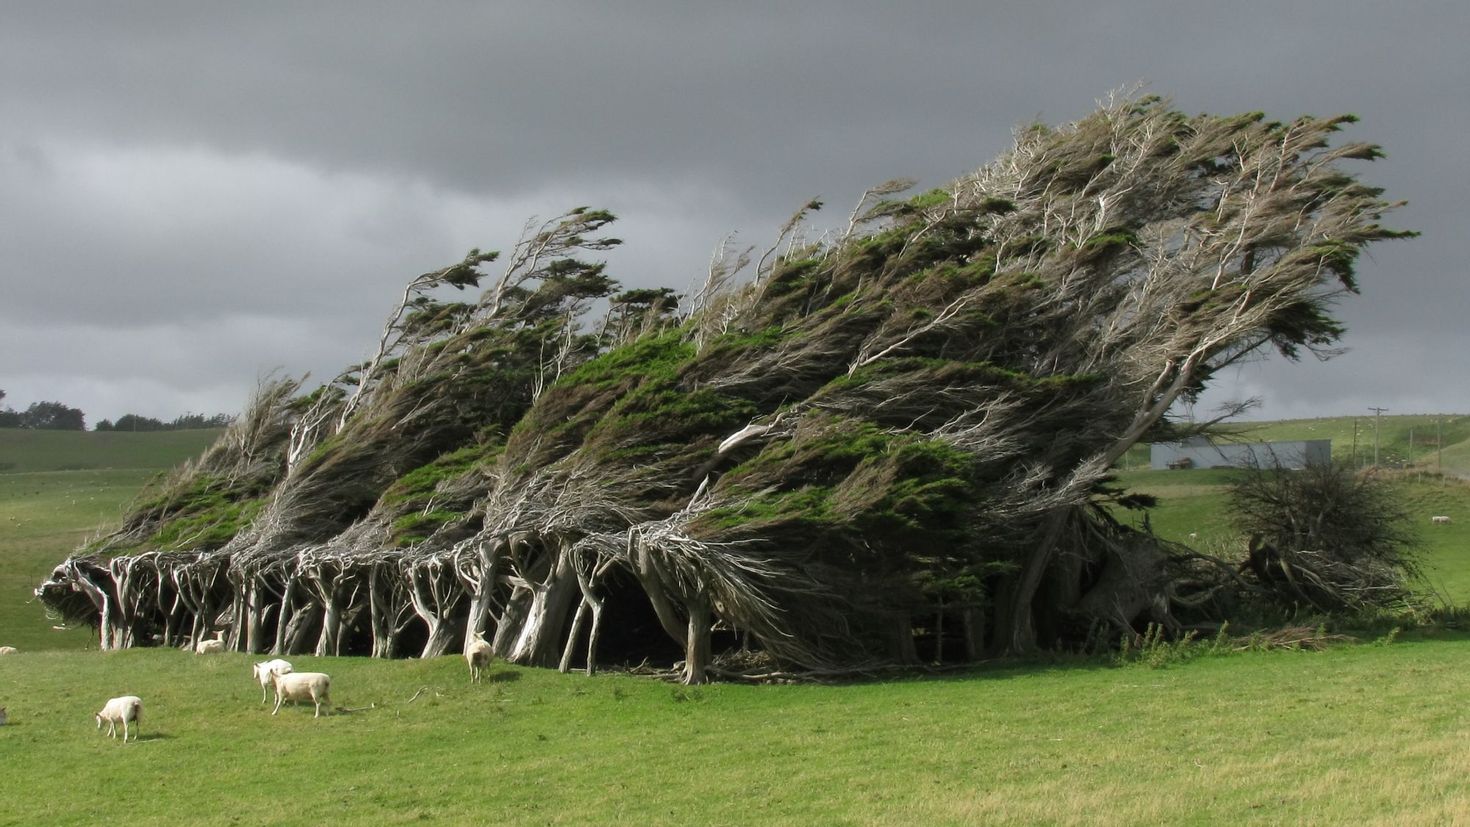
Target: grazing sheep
x: 263, y: 673
x: 1440, y: 520
x: 211, y: 647
x: 3, y: 719
x: 8, y: 650
x: 477, y: 654
x: 302, y: 686
x: 121, y: 710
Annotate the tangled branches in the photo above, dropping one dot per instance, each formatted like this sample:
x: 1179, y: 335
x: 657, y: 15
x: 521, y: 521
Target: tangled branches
x: 884, y: 441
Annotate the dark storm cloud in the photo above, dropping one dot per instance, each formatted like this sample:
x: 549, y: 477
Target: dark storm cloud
x: 187, y: 178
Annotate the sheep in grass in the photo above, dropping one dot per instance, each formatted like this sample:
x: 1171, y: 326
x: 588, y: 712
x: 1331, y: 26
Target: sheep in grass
x: 211, y: 647
x: 263, y: 672
x: 128, y: 708
x: 1440, y: 520
x: 3, y: 719
x: 302, y: 686
x: 477, y: 654
x: 8, y: 650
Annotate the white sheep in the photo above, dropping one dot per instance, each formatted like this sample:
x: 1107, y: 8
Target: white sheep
x: 302, y: 686
x: 121, y: 710
x: 263, y: 672
x: 477, y: 654
x: 211, y: 647
x: 8, y: 650
x: 1440, y: 520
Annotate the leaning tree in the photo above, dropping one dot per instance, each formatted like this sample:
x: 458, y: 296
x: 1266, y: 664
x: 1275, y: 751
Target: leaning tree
x: 886, y: 445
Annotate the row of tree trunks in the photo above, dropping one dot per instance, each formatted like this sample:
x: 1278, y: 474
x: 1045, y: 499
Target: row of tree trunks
x: 538, y: 599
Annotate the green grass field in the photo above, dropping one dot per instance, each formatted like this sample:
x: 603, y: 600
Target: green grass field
x: 24, y: 451
x: 56, y: 489
x: 1369, y: 733
x: 1356, y: 735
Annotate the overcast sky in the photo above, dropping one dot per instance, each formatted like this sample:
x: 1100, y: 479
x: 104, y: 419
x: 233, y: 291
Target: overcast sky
x: 195, y: 195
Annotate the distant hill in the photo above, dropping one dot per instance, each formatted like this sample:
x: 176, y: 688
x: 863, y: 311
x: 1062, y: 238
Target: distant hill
x: 24, y: 451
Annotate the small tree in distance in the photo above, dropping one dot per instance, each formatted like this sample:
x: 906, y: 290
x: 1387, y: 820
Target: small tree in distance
x: 1326, y: 536
x: 53, y: 416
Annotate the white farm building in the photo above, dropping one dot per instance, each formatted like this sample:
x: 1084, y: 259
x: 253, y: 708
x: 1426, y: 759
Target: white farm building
x: 1200, y: 452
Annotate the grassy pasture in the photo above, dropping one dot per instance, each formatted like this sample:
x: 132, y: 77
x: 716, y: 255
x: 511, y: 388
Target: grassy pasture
x: 24, y: 450
x: 57, y: 488
x: 1362, y: 734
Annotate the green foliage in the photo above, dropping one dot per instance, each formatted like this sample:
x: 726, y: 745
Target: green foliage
x: 203, y: 512
x: 655, y: 357
x: 44, y: 416
x: 418, y: 486
x: 857, y: 496
x: 1154, y: 650
x: 1106, y: 244
x: 661, y: 413
x: 419, y: 525
x: 205, y: 524
x: 937, y: 197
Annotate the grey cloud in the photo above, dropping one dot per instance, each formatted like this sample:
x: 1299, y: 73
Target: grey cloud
x: 296, y: 163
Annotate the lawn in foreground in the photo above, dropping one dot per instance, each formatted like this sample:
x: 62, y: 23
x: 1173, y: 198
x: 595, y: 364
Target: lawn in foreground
x: 1360, y: 734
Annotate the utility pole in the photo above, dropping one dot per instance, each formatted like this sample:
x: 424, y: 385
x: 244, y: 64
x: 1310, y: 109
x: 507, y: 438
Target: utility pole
x: 1355, y: 443
x: 1377, y: 412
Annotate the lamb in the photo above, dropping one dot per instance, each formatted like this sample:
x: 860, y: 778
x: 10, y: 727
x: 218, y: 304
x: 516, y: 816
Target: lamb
x: 211, y: 647
x: 8, y: 650
x: 263, y: 673
x: 477, y: 653
x: 301, y: 686
x: 121, y: 710
x: 1440, y: 520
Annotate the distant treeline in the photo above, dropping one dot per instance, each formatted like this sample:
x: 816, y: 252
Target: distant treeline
x: 134, y: 422
x: 49, y: 416
x: 54, y: 416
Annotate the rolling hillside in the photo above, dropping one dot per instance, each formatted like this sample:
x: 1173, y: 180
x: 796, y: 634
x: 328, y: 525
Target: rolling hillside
x: 26, y: 451
x: 1403, y: 441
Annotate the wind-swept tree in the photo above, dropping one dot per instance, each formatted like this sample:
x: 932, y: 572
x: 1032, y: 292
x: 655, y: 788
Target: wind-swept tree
x: 884, y: 439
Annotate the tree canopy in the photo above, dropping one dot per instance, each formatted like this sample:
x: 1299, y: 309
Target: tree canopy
x: 46, y: 416
x: 879, y: 446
